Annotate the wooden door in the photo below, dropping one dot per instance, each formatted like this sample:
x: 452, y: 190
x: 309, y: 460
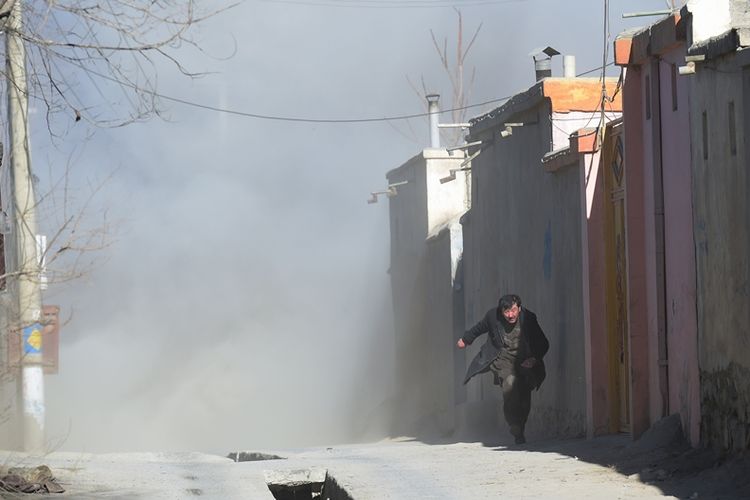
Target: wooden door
x: 617, y: 293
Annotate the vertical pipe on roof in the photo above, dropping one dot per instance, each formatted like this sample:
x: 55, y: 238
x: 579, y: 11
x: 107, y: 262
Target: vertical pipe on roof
x: 433, y: 108
x: 569, y: 66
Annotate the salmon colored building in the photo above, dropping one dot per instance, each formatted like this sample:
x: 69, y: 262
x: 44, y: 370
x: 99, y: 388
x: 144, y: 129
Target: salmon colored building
x: 655, y: 266
x: 637, y: 246
x: 598, y: 156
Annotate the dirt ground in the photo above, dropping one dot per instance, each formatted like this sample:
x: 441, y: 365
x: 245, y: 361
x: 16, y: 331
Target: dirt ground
x: 660, y: 465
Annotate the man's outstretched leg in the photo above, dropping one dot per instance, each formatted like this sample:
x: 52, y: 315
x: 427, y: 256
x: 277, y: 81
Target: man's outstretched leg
x: 515, y: 407
x: 524, y: 404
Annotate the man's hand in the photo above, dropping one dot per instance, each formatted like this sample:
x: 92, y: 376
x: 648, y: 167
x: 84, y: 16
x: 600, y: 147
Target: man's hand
x: 461, y: 344
x: 529, y: 363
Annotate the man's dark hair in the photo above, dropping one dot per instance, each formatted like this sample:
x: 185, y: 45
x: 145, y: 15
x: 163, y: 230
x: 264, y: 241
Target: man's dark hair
x: 507, y: 301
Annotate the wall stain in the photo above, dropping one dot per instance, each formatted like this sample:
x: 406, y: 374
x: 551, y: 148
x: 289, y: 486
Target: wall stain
x: 725, y: 408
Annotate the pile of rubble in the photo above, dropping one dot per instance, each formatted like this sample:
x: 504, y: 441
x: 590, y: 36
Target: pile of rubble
x: 29, y: 480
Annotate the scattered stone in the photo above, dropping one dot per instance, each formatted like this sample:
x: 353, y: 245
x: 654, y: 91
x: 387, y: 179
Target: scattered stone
x: 30, y: 480
x: 53, y: 487
x: 38, y: 474
x: 252, y: 456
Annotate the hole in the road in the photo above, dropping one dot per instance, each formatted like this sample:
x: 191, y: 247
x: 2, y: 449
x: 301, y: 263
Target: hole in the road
x: 304, y: 484
x: 252, y: 456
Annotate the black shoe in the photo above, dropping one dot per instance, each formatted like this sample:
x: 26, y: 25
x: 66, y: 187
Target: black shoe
x: 520, y: 439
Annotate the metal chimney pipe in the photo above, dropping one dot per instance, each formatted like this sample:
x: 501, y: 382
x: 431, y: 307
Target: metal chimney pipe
x: 543, y: 68
x: 569, y: 66
x: 543, y: 61
x: 433, y: 108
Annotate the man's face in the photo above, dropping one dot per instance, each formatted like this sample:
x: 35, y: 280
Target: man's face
x: 511, y: 315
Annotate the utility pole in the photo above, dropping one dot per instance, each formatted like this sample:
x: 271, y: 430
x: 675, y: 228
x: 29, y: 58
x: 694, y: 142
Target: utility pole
x: 25, y: 283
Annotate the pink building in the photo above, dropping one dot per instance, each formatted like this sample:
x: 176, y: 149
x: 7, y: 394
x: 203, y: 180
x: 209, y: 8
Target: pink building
x: 638, y: 258
x: 657, y: 266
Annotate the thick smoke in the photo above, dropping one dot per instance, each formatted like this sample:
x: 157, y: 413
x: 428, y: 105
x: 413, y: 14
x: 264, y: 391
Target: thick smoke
x: 243, y: 300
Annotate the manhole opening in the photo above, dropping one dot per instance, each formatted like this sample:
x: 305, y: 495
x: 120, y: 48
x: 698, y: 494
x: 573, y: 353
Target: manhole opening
x: 305, y: 484
x: 252, y: 456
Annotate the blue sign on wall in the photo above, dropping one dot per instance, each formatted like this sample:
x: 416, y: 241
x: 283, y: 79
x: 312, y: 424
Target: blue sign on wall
x: 32, y: 339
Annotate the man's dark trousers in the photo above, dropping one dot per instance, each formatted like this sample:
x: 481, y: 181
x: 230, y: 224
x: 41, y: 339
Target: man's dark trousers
x: 516, y: 402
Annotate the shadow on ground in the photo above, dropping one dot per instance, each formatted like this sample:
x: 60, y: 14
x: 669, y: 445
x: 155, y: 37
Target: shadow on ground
x: 661, y: 457
x: 676, y: 469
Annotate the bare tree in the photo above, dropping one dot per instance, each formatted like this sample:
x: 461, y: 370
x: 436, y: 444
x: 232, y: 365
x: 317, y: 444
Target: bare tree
x: 460, y: 86
x: 91, y: 61
x: 79, y: 51
x: 95, y: 61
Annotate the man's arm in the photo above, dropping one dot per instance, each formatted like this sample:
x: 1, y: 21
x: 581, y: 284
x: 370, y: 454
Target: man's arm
x: 473, y: 332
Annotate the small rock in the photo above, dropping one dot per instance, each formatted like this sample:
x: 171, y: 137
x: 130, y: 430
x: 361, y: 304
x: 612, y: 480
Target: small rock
x: 53, y: 487
x: 38, y: 474
x: 296, y: 477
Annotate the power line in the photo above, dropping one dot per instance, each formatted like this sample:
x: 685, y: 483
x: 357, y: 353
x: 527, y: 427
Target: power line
x: 595, y: 69
x: 393, y: 4
x: 297, y: 119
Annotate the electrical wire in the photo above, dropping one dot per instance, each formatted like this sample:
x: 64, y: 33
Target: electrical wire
x: 393, y: 4
x: 297, y: 119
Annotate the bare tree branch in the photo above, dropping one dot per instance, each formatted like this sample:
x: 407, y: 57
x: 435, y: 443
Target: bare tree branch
x: 460, y: 90
x: 111, y: 42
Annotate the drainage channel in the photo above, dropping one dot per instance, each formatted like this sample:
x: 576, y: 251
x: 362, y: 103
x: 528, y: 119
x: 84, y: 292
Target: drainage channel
x: 304, y: 484
x: 296, y: 484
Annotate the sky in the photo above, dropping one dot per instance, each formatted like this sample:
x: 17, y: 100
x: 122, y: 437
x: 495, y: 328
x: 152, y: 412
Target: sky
x: 241, y: 298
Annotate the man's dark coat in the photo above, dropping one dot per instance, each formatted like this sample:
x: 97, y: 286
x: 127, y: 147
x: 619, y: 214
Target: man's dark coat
x: 533, y: 344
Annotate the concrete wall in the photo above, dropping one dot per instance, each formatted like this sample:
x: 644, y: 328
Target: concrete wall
x: 711, y: 18
x: 722, y: 241
x: 408, y: 224
x: 569, y: 122
x: 594, y: 288
x: 523, y: 237
x: 444, y: 200
x: 641, y: 352
x: 661, y: 255
x: 423, y: 207
x: 679, y: 249
x: 651, y: 266
x: 445, y: 365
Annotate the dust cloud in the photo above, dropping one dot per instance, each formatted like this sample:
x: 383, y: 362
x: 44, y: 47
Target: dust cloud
x: 243, y: 301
